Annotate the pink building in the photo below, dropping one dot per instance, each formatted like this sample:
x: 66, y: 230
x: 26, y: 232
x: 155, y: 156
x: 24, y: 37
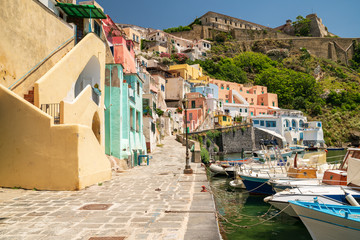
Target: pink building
x: 194, y: 118
x: 121, y: 48
x: 196, y: 110
x: 257, y: 97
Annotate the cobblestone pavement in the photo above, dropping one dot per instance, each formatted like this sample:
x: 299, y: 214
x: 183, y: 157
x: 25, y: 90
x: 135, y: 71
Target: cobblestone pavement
x: 147, y: 202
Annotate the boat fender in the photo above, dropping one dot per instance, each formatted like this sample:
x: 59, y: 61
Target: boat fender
x: 316, y: 200
x: 203, y: 189
x: 267, y: 199
x: 351, y: 200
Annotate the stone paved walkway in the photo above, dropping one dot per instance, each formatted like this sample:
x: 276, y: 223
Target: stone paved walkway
x: 148, y: 202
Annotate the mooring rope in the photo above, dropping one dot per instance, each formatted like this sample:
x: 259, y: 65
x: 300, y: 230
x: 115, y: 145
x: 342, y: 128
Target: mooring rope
x: 253, y: 225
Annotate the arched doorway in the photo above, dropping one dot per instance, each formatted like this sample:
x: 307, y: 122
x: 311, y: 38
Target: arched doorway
x: 96, y: 126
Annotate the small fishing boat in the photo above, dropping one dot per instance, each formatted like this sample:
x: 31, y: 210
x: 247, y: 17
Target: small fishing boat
x: 258, y: 182
x: 281, y: 200
x: 326, y: 222
x: 337, y: 192
x: 217, y: 169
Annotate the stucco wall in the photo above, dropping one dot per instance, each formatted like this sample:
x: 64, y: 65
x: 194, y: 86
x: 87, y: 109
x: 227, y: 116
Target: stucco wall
x: 30, y: 32
x: 80, y: 111
x: 58, y: 83
x: 37, y: 154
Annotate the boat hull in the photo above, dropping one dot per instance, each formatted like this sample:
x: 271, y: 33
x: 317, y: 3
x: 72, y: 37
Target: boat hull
x: 324, y: 226
x: 257, y: 185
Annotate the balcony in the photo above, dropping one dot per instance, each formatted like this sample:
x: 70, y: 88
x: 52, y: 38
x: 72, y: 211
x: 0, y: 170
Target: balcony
x: 53, y: 109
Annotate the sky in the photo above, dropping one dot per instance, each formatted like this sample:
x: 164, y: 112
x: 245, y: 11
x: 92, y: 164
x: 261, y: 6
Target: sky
x: 341, y: 17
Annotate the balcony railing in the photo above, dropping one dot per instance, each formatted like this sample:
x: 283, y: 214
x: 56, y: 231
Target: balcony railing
x: 53, y: 109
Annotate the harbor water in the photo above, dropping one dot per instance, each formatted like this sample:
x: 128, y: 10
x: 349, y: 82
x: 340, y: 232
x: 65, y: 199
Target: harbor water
x: 247, y: 217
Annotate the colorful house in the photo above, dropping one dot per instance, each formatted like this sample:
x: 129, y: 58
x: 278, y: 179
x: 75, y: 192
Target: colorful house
x: 54, y: 133
x: 292, y: 126
x: 253, y: 100
x: 122, y: 49
x: 222, y: 120
x: 191, y: 73
x: 196, y: 109
x: 124, y: 138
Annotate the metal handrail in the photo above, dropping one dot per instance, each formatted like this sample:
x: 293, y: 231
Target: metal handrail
x: 42, y: 61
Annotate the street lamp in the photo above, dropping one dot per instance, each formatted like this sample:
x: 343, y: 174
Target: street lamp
x: 187, y: 169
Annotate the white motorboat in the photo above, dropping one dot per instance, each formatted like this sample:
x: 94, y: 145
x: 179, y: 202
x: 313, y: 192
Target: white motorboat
x: 281, y: 200
x: 326, y: 222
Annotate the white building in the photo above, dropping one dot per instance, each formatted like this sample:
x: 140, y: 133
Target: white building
x: 237, y: 107
x: 293, y: 126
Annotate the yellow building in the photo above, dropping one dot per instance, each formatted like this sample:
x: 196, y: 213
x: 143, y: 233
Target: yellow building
x: 53, y: 136
x: 191, y: 73
x: 223, y: 120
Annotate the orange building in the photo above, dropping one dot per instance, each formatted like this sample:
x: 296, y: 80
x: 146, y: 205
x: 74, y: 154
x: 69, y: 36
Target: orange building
x: 257, y: 97
x: 196, y: 109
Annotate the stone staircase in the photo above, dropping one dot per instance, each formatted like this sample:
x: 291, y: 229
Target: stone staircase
x: 30, y: 96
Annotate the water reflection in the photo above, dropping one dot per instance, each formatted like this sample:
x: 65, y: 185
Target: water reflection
x: 242, y: 209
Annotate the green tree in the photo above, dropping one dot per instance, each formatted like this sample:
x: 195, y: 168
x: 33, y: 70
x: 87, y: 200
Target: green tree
x: 291, y: 87
x: 302, y: 26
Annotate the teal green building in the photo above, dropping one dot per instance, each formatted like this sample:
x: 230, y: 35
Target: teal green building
x: 124, y: 138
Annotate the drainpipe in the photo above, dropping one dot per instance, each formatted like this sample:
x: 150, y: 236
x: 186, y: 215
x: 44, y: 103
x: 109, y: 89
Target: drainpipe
x: 110, y: 114
x: 90, y: 22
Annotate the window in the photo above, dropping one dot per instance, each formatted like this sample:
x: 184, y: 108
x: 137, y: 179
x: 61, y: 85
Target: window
x: 240, y: 110
x: 138, y: 88
x: 319, y: 124
x: 235, y: 24
x: 262, y: 104
x: 293, y: 123
x: 97, y: 29
x: 301, y: 123
x: 262, y: 92
x: 256, y: 122
x: 131, y: 119
x: 252, y: 100
x: 224, y: 118
x: 137, y: 121
x: 153, y: 127
x: 205, y: 19
x: 227, y: 87
x: 216, y: 19
x: 158, y: 34
x: 222, y: 86
x: 262, y: 123
x: 227, y: 96
x: 190, y: 116
x: 246, y: 110
x: 247, y: 91
x: 227, y: 101
x: 273, y: 103
x: 270, y: 124
x: 246, y: 99
x: 137, y: 38
x: 162, y: 88
x: 254, y: 91
x: 134, y: 37
x: 225, y: 21
x: 240, y: 89
x: 252, y: 113
x: 193, y: 105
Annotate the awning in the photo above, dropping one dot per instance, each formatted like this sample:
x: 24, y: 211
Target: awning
x: 82, y: 11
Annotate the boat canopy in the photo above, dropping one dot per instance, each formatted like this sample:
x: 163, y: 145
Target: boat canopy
x: 353, y: 171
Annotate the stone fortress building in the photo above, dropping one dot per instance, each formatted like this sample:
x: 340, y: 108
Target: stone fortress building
x: 322, y: 43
